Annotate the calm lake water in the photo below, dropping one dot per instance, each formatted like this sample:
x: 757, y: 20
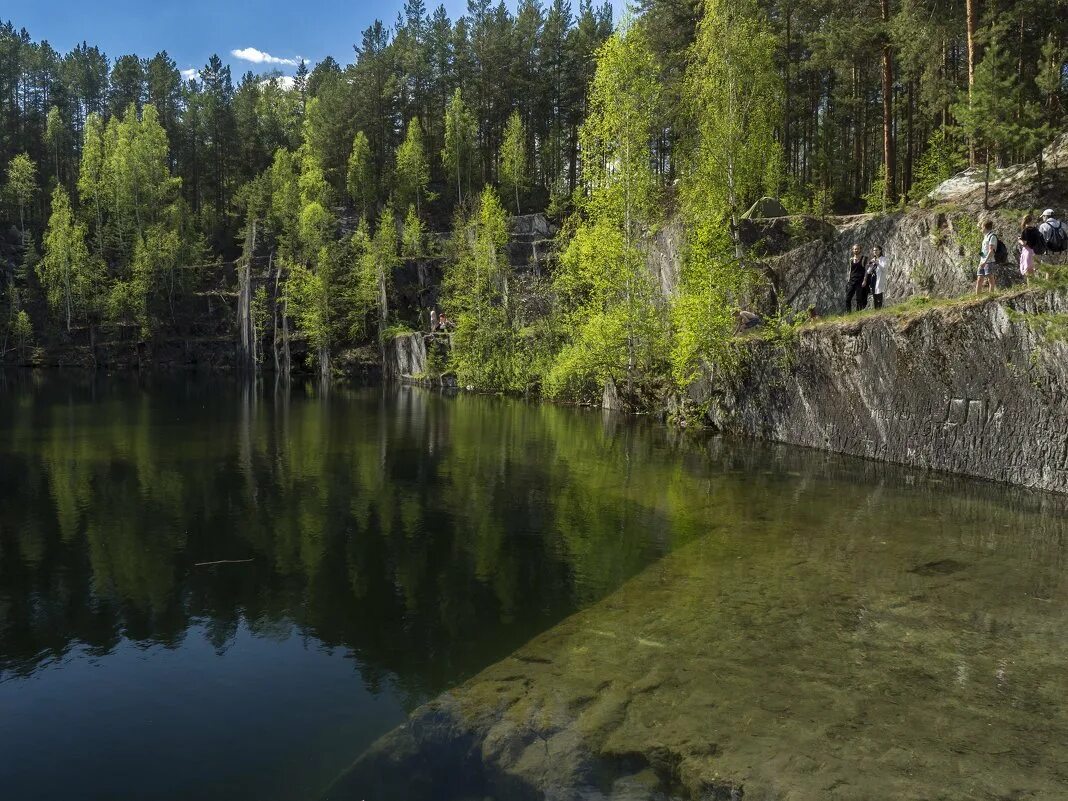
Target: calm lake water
x: 381, y: 546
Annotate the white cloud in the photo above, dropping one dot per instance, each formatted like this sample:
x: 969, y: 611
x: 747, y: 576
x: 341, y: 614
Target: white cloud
x: 286, y: 82
x: 259, y: 57
x: 190, y: 74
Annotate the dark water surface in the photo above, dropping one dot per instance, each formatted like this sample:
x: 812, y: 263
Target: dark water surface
x: 398, y: 542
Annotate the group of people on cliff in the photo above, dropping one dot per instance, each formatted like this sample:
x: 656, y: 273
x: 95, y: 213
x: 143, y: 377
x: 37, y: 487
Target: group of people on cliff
x: 866, y: 278
x: 439, y: 321
x: 1048, y: 239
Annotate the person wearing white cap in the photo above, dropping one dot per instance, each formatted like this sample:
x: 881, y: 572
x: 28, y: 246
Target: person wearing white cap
x: 1054, y: 234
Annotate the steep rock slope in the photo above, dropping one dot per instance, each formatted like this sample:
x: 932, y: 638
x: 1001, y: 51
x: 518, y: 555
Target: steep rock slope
x: 969, y: 387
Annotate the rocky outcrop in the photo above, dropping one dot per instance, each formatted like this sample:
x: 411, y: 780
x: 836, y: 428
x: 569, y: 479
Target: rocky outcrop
x: 970, y: 387
x: 531, y: 243
x: 406, y: 355
x: 929, y: 252
x: 1016, y: 185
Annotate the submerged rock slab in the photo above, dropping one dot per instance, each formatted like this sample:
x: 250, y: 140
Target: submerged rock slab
x: 835, y: 665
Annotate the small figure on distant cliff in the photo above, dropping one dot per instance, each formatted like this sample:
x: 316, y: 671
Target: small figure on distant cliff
x: 855, y: 281
x: 987, y: 257
x: 746, y: 320
x: 873, y: 277
x: 433, y: 319
x: 1031, y: 243
x: 1054, y: 234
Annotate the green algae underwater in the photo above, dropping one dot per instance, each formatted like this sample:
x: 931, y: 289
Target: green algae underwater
x: 666, y: 615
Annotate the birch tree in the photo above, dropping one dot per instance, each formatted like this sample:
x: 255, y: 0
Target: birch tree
x: 607, y: 294
x: 733, y: 93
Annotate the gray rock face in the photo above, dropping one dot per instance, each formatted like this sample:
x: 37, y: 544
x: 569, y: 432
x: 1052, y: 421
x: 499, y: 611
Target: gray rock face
x: 924, y: 252
x: 664, y: 256
x: 969, y: 388
x: 1016, y: 185
x: 406, y: 356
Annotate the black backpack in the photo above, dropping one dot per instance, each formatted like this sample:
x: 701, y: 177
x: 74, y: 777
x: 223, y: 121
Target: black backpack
x: 1001, y: 253
x: 1035, y: 240
x: 1055, y: 237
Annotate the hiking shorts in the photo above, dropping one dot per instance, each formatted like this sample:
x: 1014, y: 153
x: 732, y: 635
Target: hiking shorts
x: 985, y: 270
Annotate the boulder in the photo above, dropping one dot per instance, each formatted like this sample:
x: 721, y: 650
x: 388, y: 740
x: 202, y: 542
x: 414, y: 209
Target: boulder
x: 765, y: 208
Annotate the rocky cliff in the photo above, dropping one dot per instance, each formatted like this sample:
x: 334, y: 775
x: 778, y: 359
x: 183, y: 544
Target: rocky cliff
x: 970, y: 387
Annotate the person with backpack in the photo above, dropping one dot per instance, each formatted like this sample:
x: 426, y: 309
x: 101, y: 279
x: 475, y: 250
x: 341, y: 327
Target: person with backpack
x: 1054, y: 234
x: 987, y: 257
x: 873, y: 277
x: 1031, y: 244
x: 855, y: 280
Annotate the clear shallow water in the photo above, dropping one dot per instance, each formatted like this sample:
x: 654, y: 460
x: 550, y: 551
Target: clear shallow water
x: 400, y: 543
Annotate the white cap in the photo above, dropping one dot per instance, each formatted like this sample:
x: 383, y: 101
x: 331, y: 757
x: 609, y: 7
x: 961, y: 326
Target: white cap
x: 1047, y: 213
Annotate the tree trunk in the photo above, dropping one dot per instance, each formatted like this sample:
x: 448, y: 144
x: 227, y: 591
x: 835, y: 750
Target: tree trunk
x: 888, y: 108
x: 972, y: 11
x: 858, y: 154
x: 274, y: 313
x: 787, y: 144
x: 986, y: 182
x: 906, y: 178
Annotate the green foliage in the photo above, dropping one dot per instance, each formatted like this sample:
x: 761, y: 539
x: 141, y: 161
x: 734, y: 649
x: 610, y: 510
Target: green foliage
x: 360, y: 176
x: 732, y: 160
x: 412, y: 235
x: 71, y: 278
x: 515, y: 178
x: 413, y: 171
x: 995, y: 115
x: 377, y: 261
x: 943, y: 159
x: 21, y: 331
x: 21, y: 185
x: 608, y: 299
x: 493, y: 347
x: 875, y: 199
x: 970, y: 236
x: 458, y: 150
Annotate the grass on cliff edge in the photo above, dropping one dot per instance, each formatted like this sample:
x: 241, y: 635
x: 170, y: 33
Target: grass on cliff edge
x: 919, y: 305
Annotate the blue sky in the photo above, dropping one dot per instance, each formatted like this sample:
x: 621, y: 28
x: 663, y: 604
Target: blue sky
x: 194, y: 29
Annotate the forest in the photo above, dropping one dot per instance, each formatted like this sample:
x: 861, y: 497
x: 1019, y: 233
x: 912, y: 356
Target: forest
x: 124, y: 184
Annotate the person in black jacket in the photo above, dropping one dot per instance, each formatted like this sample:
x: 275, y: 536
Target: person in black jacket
x: 855, y: 280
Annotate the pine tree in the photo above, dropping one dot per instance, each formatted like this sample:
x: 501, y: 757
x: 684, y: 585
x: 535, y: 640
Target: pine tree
x: 476, y: 287
x: 412, y: 235
x: 376, y: 269
x: 55, y: 138
x: 989, y: 115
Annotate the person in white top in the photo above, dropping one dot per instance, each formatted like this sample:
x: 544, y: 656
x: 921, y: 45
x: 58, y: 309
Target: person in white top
x: 875, y: 276
x: 987, y: 258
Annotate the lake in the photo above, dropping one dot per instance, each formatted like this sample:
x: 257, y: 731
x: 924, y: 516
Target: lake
x: 216, y: 590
